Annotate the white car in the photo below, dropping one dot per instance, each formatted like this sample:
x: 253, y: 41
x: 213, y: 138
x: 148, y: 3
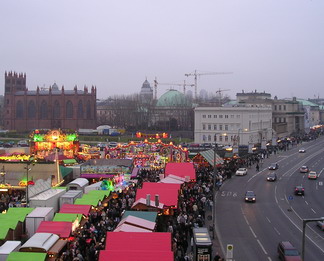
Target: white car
x: 241, y: 172
x: 312, y: 175
x: 302, y: 150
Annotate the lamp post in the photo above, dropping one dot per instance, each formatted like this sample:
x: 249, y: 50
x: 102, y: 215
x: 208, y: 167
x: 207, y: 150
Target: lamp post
x: 27, y: 168
x: 305, y: 221
x: 3, y: 175
x: 214, y: 185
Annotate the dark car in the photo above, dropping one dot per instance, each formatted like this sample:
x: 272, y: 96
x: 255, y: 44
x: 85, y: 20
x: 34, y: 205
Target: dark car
x: 287, y: 252
x: 274, y: 166
x: 8, y: 144
x: 299, y: 190
x: 271, y: 177
x: 250, y: 196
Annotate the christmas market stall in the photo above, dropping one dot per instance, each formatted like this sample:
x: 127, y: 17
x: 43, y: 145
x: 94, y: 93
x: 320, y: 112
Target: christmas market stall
x: 47, y: 142
x: 208, y: 158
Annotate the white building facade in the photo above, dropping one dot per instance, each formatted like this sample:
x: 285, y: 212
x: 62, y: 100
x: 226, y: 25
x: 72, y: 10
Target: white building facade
x: 237, y: 125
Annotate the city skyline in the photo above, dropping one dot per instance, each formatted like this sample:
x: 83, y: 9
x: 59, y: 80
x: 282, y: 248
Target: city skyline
x: 274, y: 47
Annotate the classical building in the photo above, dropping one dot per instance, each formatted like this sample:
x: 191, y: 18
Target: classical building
x: 244, y: 124
x: 312, y: 114
x: 46, y: 108
x: 146, y: 93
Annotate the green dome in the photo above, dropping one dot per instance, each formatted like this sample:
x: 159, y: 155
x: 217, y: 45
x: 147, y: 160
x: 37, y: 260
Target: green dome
x: 173, y: 98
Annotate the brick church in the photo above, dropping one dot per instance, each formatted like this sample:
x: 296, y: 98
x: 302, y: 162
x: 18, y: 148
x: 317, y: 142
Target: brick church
x: 46, y: 108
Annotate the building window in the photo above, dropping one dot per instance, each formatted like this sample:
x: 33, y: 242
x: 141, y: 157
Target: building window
x: 226, y: 116
x: 56, y: 110
x: 220, y: 116
x: 209, y: 127
x: 19, y: 110
x: 215, y: 126
x: 275, y: 107
x: 209, y: 138
x: 279, y: 107
x: 204, y: 116
x: 215, y: 138
x: 43, y: 111
x: 204, y: 137
x: 69, y: 110
x: 31, y: 110
x: 204, y: 127
x: 220, y: 127
x: 215, y: 116
x: 226, y: 138
x: 80, y: 110
x: 88, y: 110
x: 220, y: 138
x: 284, y: 107
x: 226, y: 127
x: 209, y: 116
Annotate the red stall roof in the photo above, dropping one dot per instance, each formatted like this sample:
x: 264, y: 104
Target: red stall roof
x: 168, y: 192
x: 75, y: 209
x: 138, y: 241
x: 135, y: 255
x: 181, y: 169
x: 60, y: 228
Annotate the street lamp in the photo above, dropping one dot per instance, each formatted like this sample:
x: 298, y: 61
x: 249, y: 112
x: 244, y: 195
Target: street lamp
x: 214, y: 185
x: 27, y: 168
x: 305, y: 221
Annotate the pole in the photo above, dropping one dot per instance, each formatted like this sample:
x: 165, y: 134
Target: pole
x: 27, y: 201
x: 214, y: 190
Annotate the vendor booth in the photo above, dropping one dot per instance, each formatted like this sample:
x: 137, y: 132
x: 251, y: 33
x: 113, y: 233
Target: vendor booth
x: 76, y: 209
x: 60, y: 228
x: 184, y: 170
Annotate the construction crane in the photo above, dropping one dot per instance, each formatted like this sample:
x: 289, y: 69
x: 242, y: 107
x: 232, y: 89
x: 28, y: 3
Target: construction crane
x: 184, y: 84
x: 196, y: 73
x: 219, y: 92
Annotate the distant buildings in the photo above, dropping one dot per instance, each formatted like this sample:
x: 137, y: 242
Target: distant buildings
x: 25, y: 110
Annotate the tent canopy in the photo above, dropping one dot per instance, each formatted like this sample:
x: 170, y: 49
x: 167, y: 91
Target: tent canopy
x: 168, y: 193
x: 67, y: 217
x: 63, y: 229
x: 148, y: 215
x: 136, y: 241
x: 26, y: 256
x: 75, y: 208
x: 135, y: 255
x: 137, y: 222
x: 209, y: 156
x: 181, y: 169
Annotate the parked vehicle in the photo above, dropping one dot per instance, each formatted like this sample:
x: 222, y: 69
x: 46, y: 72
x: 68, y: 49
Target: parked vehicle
x: 23, y: 143
x: 303, y: 169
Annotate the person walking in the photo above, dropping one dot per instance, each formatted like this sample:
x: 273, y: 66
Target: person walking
x: 257, y: 167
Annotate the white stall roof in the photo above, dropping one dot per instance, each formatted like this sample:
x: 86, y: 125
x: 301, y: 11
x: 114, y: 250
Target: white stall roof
x: 40, y: 212
x: 9, y: 246
x: 94, y: 186
x: 43, y: 241
x: 71, y: 194
x: 47, y: 194
x: 82, y: 182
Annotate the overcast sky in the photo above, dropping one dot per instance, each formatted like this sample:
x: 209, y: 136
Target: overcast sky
x: 276, y: 46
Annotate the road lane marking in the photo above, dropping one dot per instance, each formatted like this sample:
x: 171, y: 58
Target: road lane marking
x: 262, y: 247
x: 306, y: 202
x: 252, y: 232
x: 313, y: 210
x: 277, y: 231
x: 268, y: 219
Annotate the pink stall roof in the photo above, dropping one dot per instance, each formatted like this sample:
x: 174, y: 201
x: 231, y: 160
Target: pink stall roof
x: 127, y: 255
x: 76, y: 209
x: 60, y: 228
x: 168, y: 193
x: 130, y: 228
x: 181, y: 169
x: 137, y: 241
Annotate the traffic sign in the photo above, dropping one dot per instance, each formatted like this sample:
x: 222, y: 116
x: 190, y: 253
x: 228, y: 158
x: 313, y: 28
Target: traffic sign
x: 229, y: 252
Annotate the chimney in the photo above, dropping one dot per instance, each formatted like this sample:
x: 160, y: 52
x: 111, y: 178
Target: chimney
x: 157, y: 200
x: 148, y: 200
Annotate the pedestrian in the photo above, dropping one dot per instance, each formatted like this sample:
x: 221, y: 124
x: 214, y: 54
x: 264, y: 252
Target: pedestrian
x: 217, y: 257
x: 257, y: 167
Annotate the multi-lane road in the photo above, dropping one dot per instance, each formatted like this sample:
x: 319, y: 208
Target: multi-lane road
x: 255, y: 229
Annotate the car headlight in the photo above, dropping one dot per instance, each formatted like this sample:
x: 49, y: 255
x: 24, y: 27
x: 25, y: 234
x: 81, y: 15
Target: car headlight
x: 246, y: 198
x: 253, y: 199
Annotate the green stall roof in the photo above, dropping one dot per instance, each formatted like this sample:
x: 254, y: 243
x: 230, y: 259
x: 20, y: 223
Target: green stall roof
x: 147, y: 215
x: 67, y: 217
x: 87, y: 201
x: 19, y: 213
x: 99, y: 193
x: 26, y: 256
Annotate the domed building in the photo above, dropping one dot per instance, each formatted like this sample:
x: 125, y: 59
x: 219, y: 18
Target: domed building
x: 173, y: 111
